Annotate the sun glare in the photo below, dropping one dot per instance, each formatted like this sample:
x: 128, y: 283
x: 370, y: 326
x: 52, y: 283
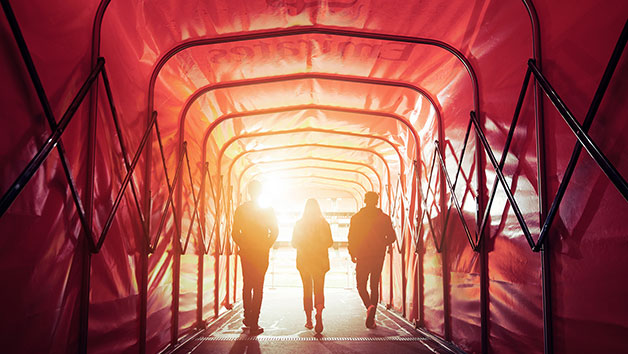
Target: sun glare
x: 272, y: 193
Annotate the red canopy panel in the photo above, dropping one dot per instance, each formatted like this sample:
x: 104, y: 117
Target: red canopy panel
x: 352, y: 78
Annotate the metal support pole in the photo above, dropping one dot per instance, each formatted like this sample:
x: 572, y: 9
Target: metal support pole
x: 391, y: 251
x: 481, y: 206
x: 235, y: 276
x: 484, y: 296
x: 402, y: 253
x: 200, y: 324
x: 84, y: 295
x: 446, y: 291
x: 199, y: 291
x: 217, y: 251
x: 143, y: 283
x: 176, y: 282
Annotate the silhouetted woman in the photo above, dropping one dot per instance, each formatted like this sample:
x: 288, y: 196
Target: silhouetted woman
x: 312, y: 237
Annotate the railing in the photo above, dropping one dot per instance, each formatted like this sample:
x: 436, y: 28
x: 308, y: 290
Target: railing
x: 95, y: 242
x: 580, y: 132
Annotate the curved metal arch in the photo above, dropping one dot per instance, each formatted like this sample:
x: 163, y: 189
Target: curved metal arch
x: 96, y: 35
x: 379, y: 179
x: 281, y: 147
x: 305, y: 130
x: 309, y: 76
x: 305, y: 30
x: 352, y: 191
x: 292, y: 168
x: 303, y: 76
x: 222, y: 118
x: 230, y: 116
x: 364, y: 189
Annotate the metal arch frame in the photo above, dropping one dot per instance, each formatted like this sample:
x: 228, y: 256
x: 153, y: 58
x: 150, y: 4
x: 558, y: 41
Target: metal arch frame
x: 361, y: 164
x: 83, y: 324
x: 222, y: 118
x: 343, y: 180
x: 344, y: 170
x: 96, y: 34
x: 333, y: 180
x: 292, y: 131
x: 281, y: 147
x: 309, y: 76
x: 333, y: 187
x: 308, y: 30
x: 413, y: 204
x: 227, y: 144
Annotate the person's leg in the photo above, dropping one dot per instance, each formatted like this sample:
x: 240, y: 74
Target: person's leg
x: 319, y: 290
x: 376, y: 275
x: 306, y: 279
x: 361, y: 277
x: 258, y: 292
x: 319, y: 295
x: 375, y: 272
x: 246, y: 291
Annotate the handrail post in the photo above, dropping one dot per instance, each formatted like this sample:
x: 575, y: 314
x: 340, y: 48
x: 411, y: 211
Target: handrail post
x: 200, y: 245
x: 143, y: 290
x: 217, y: 250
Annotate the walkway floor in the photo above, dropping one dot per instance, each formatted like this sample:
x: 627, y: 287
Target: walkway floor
x: 282, y: 319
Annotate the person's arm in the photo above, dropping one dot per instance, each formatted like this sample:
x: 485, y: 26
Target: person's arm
x: 272, y: 228
x: 352, y: 240
x: 236, y: 229
x: 296, y: 235
x: 329, y: 241
x: 391, y: 236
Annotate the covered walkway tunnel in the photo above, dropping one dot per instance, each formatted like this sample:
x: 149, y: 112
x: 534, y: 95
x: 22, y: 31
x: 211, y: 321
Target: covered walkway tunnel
x: 130, y: 130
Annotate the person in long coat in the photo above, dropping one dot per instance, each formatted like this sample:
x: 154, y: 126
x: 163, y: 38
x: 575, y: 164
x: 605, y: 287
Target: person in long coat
x: 312, y: 238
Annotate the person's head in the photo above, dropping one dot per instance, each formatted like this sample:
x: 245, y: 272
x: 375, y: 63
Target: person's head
x: 255, y: 189
x: 312, y: 209
x: 371, y: 199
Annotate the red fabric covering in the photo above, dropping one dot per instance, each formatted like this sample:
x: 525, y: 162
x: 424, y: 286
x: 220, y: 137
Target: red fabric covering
x: 310, y: 98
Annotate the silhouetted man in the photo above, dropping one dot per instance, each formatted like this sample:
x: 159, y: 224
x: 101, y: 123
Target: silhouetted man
x: 370, y: 232
x: 254, y: 231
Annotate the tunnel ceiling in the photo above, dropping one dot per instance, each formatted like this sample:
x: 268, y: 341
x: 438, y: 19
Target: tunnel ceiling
x: 296, y: 80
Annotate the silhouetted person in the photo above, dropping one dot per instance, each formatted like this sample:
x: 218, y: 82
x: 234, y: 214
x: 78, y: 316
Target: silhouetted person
x: 370, y: 232
x: 312, y: 237
x: 254, y: 231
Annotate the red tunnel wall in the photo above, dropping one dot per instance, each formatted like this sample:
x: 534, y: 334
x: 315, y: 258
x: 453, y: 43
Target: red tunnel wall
x: 41, y: 252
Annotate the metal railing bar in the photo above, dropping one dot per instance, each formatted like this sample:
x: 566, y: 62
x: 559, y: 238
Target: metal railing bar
x: 584, y: 139
x: 125, y: 183
x: 597, y: 99
x: 52, y: 140
x: 207, y: 247
x: 453, y: 196
x: 393, y: 211
x: 425, y: 208
x: 225, y: 238
x: 453, y: 187
x: 195, y: 212
x: 502, y: 161
x: 45, y: 104
x: 449, y: 146
x: 162, y: 221
x: 202, y: 234
x: 502, y: 180
x: 116, y: 122
x: 170, y: 186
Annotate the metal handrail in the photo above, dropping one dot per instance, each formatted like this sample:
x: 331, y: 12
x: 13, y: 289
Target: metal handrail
x: 580, y: 132
x: 53, y: 139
